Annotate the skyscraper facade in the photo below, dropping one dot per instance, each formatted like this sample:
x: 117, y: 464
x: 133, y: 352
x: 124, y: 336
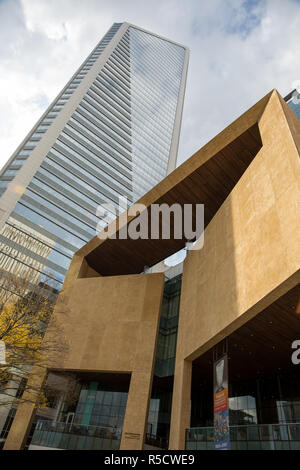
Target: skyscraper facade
x: 113, y: 131
x: 293, y: 100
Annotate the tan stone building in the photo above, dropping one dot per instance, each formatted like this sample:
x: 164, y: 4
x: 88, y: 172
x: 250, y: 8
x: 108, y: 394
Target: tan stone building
x: 240, y: 293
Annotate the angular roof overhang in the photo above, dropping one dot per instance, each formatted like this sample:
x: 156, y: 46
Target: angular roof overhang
x: 206, y: 178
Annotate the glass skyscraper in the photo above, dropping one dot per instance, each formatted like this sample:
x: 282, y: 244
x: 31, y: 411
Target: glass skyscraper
x: 295, y: 107
x: 113, y: 131
x: 293, y: 100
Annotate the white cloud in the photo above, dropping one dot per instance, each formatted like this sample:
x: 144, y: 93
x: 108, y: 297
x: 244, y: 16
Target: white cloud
x: 240, y: 50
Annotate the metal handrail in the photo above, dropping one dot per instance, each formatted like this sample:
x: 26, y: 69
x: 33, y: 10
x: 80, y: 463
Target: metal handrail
x: 78, y: 429
x: 278, y: 427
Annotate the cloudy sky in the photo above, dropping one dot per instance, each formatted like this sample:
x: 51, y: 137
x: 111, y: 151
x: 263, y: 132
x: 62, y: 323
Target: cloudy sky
x: 240, y: 50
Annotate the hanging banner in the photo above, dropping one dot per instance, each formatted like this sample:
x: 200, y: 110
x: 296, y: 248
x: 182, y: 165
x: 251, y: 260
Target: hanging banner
x: 221, y: 406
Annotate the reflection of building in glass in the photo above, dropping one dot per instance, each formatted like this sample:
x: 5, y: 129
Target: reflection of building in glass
x: 113, y: 131
x: 23, y: 252
x: 242, y: 410
x: 167, y: 335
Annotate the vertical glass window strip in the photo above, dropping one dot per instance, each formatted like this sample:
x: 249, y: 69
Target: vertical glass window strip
x: 156, y: 71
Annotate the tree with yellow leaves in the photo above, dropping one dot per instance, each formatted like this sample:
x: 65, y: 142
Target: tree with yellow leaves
x: 25, y: 312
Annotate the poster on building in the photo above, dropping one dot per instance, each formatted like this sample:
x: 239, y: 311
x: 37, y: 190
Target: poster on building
x: 221, y: 409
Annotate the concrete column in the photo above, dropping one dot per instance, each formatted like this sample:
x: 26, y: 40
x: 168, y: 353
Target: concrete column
x: 180, y: 417
x: 136, y: 416
x: 22, y: 422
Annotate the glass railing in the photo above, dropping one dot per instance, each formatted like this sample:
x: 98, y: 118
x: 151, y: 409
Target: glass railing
x: 156, y: 441
x: 75, y: 436
x: 248, y: 437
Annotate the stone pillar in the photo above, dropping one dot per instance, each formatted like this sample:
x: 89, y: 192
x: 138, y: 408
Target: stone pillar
x: 22, y: 422
x: 180, y: 417
x: 136, y: 415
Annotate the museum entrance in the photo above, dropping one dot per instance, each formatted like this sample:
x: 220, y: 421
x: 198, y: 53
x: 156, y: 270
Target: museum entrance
x: 264, y: 383
x: 89, y: 416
